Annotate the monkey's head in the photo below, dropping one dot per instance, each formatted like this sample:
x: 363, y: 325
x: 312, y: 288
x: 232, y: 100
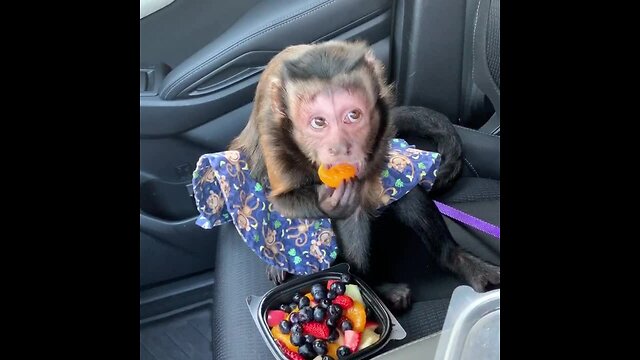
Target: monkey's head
x: 333, y: 100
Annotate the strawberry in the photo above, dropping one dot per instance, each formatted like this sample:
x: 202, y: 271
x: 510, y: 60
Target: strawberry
x: 291, y: 355
x: 319, y: 330
x: 352, y: 340
x: 344, y: 301
x: 329, y: 284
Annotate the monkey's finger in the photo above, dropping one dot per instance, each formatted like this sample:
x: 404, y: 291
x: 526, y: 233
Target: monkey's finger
x: 348, y: 194
x: 337, y: 194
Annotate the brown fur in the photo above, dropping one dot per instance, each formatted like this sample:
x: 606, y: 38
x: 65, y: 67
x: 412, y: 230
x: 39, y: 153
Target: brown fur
x: 267, y: 138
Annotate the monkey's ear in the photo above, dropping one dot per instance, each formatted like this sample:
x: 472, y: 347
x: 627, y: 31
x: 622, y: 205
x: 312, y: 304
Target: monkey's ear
x: 277, y: 98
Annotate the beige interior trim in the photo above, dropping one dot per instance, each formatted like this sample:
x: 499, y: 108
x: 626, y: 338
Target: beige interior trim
x: 148, y: 7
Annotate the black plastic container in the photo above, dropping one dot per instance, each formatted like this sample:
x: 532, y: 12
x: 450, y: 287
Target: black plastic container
x: 390, y: 327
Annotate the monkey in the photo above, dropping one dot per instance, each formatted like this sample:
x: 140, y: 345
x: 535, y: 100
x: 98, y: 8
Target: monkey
x: 329, y: 103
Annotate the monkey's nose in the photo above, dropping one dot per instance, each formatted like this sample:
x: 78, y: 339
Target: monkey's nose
x: 337, y: 150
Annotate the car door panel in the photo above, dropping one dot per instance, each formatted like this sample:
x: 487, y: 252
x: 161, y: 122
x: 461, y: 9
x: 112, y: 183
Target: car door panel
x: 177, y: 31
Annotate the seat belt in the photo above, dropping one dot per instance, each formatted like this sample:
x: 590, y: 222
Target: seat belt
x: 472, y: 221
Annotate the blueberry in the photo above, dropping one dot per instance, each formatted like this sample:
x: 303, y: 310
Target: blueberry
x: 343, y: 352
x: 316, y: 287
x: 306, y: 351
x: 346, y: 325
x: 293, y: 306
x: 319, y: 314
x: 331, y: 295
x: 333, y: 335
x: 294, y: 317
x: 334, y: 310
x: 297, y: 339
x: 324, y: 303
x: 305, y: 319
x: 320, y: 347
x: 327, y: 357
x: 306, y: 314
x: 332, y: 322
x: 345, y: 278
x: 296, y: 298
x: 304, y: 301
x: 285, y: 308
x: 338, y: 287
x: 296, y: 328
x: 319, y: 295
x: 309, y: 338
x: 285, y: 326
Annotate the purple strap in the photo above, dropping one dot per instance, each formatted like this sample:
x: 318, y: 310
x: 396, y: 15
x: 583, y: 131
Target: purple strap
x: 469, y: 220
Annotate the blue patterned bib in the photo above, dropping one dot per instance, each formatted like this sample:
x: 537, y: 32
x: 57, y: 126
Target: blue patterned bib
x: 224, y: 191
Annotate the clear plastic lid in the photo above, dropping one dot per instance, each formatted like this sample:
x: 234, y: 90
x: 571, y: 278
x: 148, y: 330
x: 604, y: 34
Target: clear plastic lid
x: 472, y: 327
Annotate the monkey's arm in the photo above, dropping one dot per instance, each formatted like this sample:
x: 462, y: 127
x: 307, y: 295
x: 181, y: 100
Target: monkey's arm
x: 318, y: 201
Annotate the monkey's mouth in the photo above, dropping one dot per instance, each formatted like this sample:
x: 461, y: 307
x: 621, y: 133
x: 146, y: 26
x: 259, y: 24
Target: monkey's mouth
x: 359, y: 165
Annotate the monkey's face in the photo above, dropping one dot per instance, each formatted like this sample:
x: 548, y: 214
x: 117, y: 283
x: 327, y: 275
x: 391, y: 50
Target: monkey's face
x: 334, y: 126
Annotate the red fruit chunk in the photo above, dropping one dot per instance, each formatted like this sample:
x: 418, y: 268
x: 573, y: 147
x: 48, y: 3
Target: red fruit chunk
x: 344, y: 301
x: 352, y: 340
x: 274, y: 317
x: 318, y: 330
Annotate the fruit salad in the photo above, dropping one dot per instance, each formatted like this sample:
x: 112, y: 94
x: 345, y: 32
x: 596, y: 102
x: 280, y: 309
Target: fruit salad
x: 327, y: 323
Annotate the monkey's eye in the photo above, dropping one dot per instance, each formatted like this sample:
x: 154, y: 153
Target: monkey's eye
x: 318, y: 123
x: 353, y: 115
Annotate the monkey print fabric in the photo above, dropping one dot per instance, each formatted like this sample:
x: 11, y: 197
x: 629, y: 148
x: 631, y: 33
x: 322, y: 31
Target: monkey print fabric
x: 224, y: 192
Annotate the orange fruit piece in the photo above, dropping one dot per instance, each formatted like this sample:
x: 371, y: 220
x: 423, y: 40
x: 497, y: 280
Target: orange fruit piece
x: 332, y: 349
x: 334, y: 176
x: 357, y: 315
x: 310, y: 297
x: 285, y: 338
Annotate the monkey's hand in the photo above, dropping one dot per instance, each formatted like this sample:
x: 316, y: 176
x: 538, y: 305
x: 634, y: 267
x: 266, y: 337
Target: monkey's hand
x: 278, y: 276
x: 339, y: 203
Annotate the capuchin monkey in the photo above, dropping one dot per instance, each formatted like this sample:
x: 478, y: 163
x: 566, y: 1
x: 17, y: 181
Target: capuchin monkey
x: 329, y: 103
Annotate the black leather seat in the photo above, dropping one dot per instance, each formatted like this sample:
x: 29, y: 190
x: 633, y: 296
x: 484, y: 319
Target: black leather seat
x: 477, y: 192
x: 239, y: 273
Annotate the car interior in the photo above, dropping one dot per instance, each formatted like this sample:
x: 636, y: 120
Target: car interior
x: 200, y: 61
